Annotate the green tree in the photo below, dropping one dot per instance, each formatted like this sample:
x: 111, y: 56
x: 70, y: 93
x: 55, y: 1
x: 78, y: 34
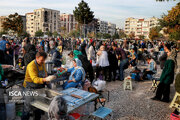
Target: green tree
x: 39, y: 33
x: 106, y: 36
x: 99, y: 35
x: 55, y: 34
x: 14, y: 23
x: 115, y: 36
x: 82, y: 13
x: 25, y: 34
x: 74, y: 33
x: 48, y: 33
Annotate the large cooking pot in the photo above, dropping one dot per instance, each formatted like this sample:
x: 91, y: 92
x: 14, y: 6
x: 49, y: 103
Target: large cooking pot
x: 49, y: 67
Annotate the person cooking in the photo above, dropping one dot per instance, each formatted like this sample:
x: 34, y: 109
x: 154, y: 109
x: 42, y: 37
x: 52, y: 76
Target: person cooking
x: 35, y: 78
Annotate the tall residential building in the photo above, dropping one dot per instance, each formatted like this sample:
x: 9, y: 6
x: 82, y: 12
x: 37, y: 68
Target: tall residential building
x: 102, y: 27
x: 43, y: 19
x: 111, y: 28
x: 68, y: 22
x: 30, y: 23
x: 2, y: 19
x: 140, y: 26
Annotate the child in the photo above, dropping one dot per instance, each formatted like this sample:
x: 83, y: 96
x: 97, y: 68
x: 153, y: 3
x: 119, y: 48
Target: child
x: 20, y: 64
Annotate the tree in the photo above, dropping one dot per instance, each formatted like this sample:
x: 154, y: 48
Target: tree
x: 55, y: 34
x: 48, y: 33
x: 106, y: 36
x: 132, y: 35
x: 14, y: 23
x: 154, y: 33
x: 74, y: 33
x: 122, y: 34
x: 115, y: 36
x: 83, y: 14
x: 141, y: 37
x: 91, y: 35
x: 99, y: 35
x: 2, y: 33
x: 172, y: 22
x: 63, y: 29
x: 25, y: 34
x: 39, y: 33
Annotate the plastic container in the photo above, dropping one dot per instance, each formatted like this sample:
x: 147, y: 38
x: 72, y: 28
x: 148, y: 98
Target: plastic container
x: 76, y: 116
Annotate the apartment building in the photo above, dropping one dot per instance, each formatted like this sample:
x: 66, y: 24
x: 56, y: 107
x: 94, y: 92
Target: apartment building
x: 42, y: 19
x: 30, y: 23
x: 111, y: 28
x: 102, y: 26
x: 140, y: 26
x: 68, y: 22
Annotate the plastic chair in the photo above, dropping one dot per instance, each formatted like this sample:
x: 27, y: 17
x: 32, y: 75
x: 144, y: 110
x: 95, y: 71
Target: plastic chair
x: 127, y: 83
x: 176, y: 101
x: 155, y: 82
x: 102, y: 113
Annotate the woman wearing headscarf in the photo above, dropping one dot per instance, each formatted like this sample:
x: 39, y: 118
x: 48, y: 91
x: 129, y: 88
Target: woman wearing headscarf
x: 77, y: 75
x: 30, y: 53
x: 167, y: 76
x: 92, y: 52
x: 56, y: 58
x: 83, y: 49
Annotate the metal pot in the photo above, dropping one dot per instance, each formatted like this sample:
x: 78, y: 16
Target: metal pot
x: 49, y: 67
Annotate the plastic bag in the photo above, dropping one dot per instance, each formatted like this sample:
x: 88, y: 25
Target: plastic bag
x: 99, y: 84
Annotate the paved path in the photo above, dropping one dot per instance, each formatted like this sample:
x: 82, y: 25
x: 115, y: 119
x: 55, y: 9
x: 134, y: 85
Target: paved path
x: 136, y: 104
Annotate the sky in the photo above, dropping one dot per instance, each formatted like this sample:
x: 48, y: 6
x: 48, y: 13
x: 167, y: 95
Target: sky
x: 114, y: 11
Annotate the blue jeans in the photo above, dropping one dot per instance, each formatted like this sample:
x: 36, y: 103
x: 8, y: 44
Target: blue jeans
x: 122, y: 66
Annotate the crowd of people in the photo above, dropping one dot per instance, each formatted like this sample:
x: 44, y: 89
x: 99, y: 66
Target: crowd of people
x: 90, y: 59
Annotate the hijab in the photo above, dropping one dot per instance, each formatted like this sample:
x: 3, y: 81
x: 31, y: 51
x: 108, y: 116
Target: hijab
x: 79, y: 66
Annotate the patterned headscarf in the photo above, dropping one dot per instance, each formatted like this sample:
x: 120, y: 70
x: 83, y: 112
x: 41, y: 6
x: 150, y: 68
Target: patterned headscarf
x: 79, y: 66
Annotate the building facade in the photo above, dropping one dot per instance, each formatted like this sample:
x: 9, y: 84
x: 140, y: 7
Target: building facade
x: 30, y: 23
x: 102, y: 26
x: 140, y: 26
x: 111, y: 28
x: 68, y: 22
x: 43, y: 19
